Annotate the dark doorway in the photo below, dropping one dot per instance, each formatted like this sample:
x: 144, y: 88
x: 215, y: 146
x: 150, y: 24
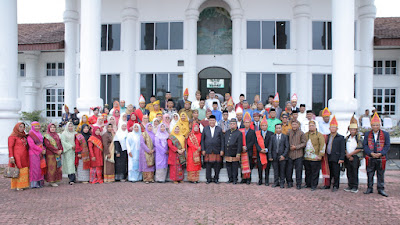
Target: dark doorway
x: 214, y: 78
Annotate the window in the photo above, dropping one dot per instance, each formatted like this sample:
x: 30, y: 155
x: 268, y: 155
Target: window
x: 322, y: 35
x: 109, y: 88
x: 385, y: 100
x: 388, y: 67
x: 54, y: 102
x: 266, y: 84
x: 321, y: 91
x: 162, y: 36
x: 22, y: 70
x: 268, y: 34
x: 158, y: 84
x: 55, y: 69
x: 110, y: 37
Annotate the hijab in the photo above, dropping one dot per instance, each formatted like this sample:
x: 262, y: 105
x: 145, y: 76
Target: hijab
x: 35, y: 134
x: 136, y: 135
x: 132, y: 122
x: 54, y: 135
x: 179, y: 136
x: 69, y: 136
x: 166, y: 115
x: 86, y: 135
x: 95, y: 135
x: 129, y: 112
x: 81, y: 123
x: 195, y: 136
x: 121, y: 134
x: 16, y: 133
x: 154, y: 126
x: 121, y: 119
x: 173, y: 122
x: 116, y: 117
x: 118, y: 107
x: 113, y: 123
x: 183, y: 125
x: 162, y: 135
x: 151, y: 133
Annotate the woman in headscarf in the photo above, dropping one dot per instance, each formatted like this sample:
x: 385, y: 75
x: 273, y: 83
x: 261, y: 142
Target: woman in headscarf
x: 155, y: 123
x: 96, y: 156
x: 145, y: 121
x: 37, y: 163
x: 108, y: 153
x: 54, y: 150
x: 166, y: 120
x: 121, y: 164
x: 129, y: 110
x: 19, y: 156
x: 133, y: 119
x: 82, y: 158
x: 100, y: 124
x: 84, y: 120
x: 115, y: 107
x: 194, y: 154
x: 183, y: 124
x: 176, y: 155
x: 174, y: 121
x: 123, y: 119
x: 68, y: 156
x: 146, y: 161
x: 116, y: 116
x: 161, y: 153
x: 113, y: 124
x: 133, y: 146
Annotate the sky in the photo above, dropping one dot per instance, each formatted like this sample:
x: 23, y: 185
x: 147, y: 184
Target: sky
x: 47, y: 11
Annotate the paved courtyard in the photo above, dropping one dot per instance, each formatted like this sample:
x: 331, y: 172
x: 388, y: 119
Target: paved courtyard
x: 139, y: 203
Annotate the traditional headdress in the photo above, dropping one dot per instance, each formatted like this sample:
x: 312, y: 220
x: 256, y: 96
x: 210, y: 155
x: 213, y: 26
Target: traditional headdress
x: 334, y: 122
x: 247, y: 117
x: 230, y: 102
x: 326, y: 112
x: 294, y: 97
x: 141, y: 99
x: 239, y: 110
x: 156, y: 102
x: 264, y: 121
x: 353, y: 123
x: 375, y: 119
x: 186, y: 92
x: 276, y: 98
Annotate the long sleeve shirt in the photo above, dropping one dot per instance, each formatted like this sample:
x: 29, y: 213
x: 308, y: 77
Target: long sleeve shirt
x: 298, y: 139
x: 318, y: 142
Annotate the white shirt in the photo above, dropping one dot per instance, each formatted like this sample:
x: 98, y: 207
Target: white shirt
x: 305, y: 125
x: 195, y: 104
x: 324, y: 128
x: 212, y: 131
x: 302, y: 117
x: 231, y: 115
x: 351, y: 144
x: 376, y: 135
x: 209, y: 103
x: 278, y: 136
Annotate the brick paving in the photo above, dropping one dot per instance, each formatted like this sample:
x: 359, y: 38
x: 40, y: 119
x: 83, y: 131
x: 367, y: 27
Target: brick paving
x: 139, y: 203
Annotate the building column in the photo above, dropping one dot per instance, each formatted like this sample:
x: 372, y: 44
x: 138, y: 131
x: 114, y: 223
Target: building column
x: 190, y: 78
x: 302, y: 80
x: 237, y: 86
x: 129, y: 76
x: 90, y: 56
x: 343, y: 104
x: 9, y: 103
x: 366, y: 15
x: 71, y: 18
x: 31, y: 85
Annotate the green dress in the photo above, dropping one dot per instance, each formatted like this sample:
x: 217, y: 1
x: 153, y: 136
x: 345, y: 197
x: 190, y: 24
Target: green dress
x: 68, y: 156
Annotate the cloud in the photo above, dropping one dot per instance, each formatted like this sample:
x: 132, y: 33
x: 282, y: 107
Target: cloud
x: 40, y: 11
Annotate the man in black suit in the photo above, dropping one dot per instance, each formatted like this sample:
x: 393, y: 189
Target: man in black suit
x: 263, y: 137
x: 181, y: 103
x: 278, y: 154
x: 212, y: 145
x: 335, y: 148
x: 233, y: 147
x: 164, y: 103
x: 249, y: 145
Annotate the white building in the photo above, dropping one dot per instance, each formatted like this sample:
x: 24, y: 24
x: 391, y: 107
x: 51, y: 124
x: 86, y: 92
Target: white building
x: 323, y: 50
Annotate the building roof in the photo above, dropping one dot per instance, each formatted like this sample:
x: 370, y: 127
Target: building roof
x: 387, y: 31
x: 40, y: 36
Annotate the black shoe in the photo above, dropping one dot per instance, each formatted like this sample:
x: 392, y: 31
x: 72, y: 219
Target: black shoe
x: 369, y: 191
x: 243, y: 181
x: 266, y: 184
x: 334, y: 189
x: 298, y: 187
x: 325, y: 187
x: 383, y: 193
x: 259, y: 182
x: 208, y: 182
x: 248, y: 182
x: 229, y: 181
x: 216, y: 181
x: 234, y: 182
x: 275, y: 185
x: 313, y: 189
x: 290, y: 185
x: 282, y: 186
x: 305, y: 186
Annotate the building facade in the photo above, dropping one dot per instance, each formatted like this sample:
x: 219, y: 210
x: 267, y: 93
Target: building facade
x: 322, y: 50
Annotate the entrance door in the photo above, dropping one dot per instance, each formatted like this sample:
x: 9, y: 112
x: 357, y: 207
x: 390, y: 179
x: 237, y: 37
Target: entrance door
x: 214, y: 78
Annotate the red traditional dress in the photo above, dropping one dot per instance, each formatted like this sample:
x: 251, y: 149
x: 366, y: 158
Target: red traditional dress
x: 53, y: 144
x: 194, y: 154
x: 18, y: 148
x: 175, y: 160
x: 96, y: 151
x: 93, y: 119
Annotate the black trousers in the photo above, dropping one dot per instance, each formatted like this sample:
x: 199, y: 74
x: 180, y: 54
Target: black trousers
x: 260, y: 170
x: 312, y: 172
x: 376, y: 165
x: 71, y: 177
x: 216, y: 166
x: 296, y: 164
x: 352, y: 171
x: 334, y: 173
x: 232, y: 168
x: 279, y: 171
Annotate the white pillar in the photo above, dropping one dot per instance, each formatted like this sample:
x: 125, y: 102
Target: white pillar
x: 237, y: 87
x: 90, y: 56
x: 31, y: 85
x: 71, y: 18
x: 343, y: 104
x: 302, y: 80
x: 190, y: 78
x: 9, y: 103
x: 366, y: 15
x: 129, y: 78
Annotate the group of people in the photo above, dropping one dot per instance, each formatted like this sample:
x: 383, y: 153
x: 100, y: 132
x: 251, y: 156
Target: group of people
x: 156, y: 139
